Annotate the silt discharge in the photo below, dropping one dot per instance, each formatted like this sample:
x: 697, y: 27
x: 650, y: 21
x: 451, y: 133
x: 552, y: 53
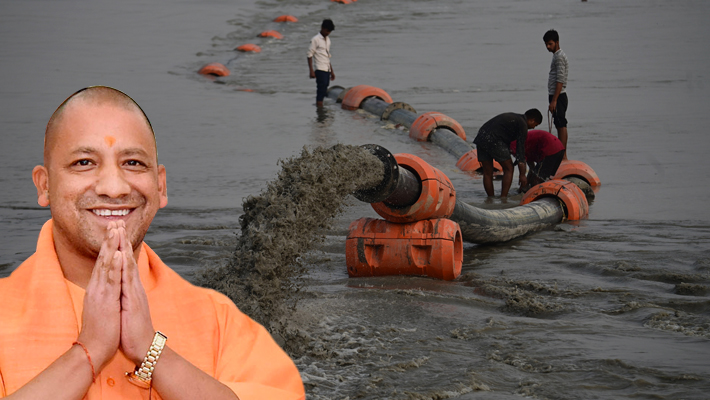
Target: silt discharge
x: 282, y: 223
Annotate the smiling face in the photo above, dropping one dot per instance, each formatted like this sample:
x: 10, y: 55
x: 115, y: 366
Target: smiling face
x: 100, y: 166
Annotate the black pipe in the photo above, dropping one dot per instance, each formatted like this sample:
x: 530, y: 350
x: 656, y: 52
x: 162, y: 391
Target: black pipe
x: 443, y: 137
x: 489, y: 226
x: 399, y: 186
x: 477, y: 225
x: 375, y: 106
x: 451, y: 142
x: 480, y: 225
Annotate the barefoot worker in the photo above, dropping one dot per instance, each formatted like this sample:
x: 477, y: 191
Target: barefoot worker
x: 492, y: 143
x: 319, y: 53
x: 543, y: 152
x: 94, y: 313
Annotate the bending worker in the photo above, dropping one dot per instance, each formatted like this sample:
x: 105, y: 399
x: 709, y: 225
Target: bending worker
x: 543, y: 152
x: 94, y: 313
x: 492, y: 143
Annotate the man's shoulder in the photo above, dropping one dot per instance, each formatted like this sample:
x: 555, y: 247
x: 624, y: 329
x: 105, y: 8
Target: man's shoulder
x: 20, y: 273
x: 14, y: 289
x: 511, y: 117
x: 560, y: 55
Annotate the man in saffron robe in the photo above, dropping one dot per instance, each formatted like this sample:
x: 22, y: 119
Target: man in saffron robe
x: 86, y: 316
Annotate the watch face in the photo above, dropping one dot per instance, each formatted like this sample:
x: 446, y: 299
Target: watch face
x: 160, y: 339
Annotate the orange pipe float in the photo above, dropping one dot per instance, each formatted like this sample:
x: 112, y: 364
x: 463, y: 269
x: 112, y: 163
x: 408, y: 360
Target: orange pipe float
x: 249, y: 47
x: 355, y: 95
x: 273, y: 34
x: 215, y: 69
x: 437, y: 198
x: 424, y: 124
x: 431, y: 248
x: 573, y: 199
x: 285, y: 18
x: 579, y: 169
x: 469, y: 162
x: 343, y: 1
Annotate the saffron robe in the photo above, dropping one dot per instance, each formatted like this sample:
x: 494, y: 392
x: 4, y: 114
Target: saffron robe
x: 40, y: 318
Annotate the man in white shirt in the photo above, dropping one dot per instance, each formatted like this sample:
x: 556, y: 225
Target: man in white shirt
x: 319, y: 51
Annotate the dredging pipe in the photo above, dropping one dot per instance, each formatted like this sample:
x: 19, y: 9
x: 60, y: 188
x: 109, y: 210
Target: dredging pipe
x: 412, y: 190
x: 443, y: 131
x: 403, y: 114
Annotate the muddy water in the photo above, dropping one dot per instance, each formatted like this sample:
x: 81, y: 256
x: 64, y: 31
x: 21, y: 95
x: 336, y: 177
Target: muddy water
x: 615, y: 306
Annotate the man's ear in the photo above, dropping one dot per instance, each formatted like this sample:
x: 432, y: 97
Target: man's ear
x: 40, y: 177
x: 162, y: 186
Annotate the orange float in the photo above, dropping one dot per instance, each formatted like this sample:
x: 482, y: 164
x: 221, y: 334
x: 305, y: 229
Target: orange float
x: 437, y: 198
x: 249, y: 47
x: 285, y: 18
x: 355, y: 96
x: 343, y: 1
x: 424, y: 124
x: 573, y: 199
x: 342, y: 94
x: 215, y: 69
x: 469, y: 162
x: 273, y: 34
x: 579, y: 169
x: 431, y: 248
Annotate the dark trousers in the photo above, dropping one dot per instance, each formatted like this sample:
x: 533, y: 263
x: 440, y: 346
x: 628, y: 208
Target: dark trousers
x: 322, y: 82
x: 548, y: 166
x: 559, y: 117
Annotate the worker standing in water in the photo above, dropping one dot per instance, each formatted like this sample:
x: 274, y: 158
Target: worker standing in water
x: 319, y: 54
x: 557, y: 85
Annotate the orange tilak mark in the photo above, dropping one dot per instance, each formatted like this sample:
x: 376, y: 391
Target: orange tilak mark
x: 110, y: 140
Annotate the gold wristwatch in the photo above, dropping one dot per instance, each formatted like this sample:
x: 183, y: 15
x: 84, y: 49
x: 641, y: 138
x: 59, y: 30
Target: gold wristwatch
x: 143, y: 375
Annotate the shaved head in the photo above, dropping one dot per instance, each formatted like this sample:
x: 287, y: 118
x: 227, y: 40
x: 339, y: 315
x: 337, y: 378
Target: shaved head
x: 92, y: 95
x: 100, y: 165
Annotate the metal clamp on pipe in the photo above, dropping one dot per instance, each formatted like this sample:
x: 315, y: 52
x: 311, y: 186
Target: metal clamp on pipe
x: 397, y: 105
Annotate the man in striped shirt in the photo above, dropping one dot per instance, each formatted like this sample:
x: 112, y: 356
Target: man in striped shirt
x: 557, y: 85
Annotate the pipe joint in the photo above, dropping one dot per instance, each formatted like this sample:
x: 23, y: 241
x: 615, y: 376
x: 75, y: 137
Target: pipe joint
x: 388, y: 185
x: 355, y: 96
x: 424, y: 124
x: 437, y: 198
x: 573, y: 200
x: 577, y: 168
x: 398, y: 105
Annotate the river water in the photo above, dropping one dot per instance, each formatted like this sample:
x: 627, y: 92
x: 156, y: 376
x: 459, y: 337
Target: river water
x: 615, y: 306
